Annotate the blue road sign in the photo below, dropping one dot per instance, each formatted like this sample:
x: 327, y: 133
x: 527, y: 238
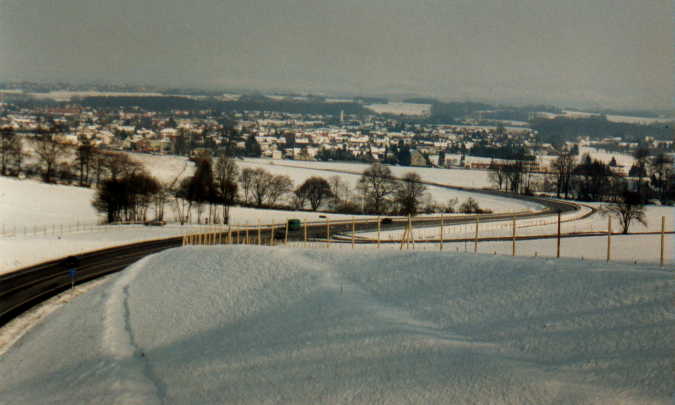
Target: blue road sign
x: 72, y: 273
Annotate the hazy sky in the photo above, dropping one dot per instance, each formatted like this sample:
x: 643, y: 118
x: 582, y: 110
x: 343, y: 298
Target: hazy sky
x: 616, y: 53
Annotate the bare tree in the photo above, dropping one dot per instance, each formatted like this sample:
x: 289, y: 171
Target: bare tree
x: 452, y: 203
x: 260, y: 182
x: 121, y: 165
x: 340, y: 191
x: 169, y: 190
x: 225, y: 178
x: 315, y: 189
x: 246, y: 180
x: 376, y: 184
x: 11, y: 152
x: 641, y: 156
x: 628, y: 209
x: 126, y: 198
x: 85, y: 160
x: 497, y: 175
x: 408, y: 193
x: 661, y: 167
x: 278, y: 186
x: 470, y: 206
x: 563, y: 168
x: 49, y: 151
x: 515, y: 173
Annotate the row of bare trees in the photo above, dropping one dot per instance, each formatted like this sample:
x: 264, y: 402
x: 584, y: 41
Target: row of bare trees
x: 207, y: 195
x: 590, y: 179
x: 47, y: 155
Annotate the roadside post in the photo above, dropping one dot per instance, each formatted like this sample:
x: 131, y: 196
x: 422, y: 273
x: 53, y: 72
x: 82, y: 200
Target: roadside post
x: 71, y: 263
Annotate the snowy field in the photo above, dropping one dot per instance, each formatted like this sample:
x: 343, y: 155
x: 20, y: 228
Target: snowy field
x: 36, y: 228
x: 618, y: 118
x: 166, y: 168
x: 631, y: 248
x: 401, y: 109
x: 452, y: 177
x: 39, y: 222
x: 277, y: 325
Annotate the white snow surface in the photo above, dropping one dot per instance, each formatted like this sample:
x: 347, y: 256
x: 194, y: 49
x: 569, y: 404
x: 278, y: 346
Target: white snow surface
x: 248, y: 324
x: 625, y: 248
x: 40, y: 222
x: 166, y: 168
x: 401, y: 108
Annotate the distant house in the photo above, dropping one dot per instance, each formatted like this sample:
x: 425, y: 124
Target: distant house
x: 417, y: 159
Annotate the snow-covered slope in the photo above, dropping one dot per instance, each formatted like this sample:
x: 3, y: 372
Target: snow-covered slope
x: 275, y: 325
x: 32, y: 203
x: 167, y: 168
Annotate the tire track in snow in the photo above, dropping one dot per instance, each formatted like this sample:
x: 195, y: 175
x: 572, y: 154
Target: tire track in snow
x: 134, y: 380
x: 356, y: 299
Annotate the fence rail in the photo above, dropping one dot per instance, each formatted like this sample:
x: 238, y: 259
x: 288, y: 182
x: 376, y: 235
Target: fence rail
x: 490, y: 240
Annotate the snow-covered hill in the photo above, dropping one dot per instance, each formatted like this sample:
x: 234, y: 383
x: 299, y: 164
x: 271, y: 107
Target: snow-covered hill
x: 276, y: 325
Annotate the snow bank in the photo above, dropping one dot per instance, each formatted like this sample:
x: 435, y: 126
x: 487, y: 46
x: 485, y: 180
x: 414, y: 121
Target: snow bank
x: 253, y: 324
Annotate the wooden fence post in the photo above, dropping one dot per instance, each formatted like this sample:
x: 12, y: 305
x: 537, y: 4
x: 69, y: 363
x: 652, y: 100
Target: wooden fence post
x: 609, y: 238
x: 259, y: 236
x: 353, y: 231
x: 378, y: 231
x: 663, y: 232
x: 327, y: 233
x: 286, y: 234
x: 513, y: 240
x: 404, y: 237
x: 557, y: 254
x: 440, y: 244
x: 475, y: 239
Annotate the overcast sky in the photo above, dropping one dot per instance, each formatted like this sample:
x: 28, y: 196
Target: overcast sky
x: 615, y: 53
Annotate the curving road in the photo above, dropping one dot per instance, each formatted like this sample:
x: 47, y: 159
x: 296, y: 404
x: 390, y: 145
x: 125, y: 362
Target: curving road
x: 27, y: 287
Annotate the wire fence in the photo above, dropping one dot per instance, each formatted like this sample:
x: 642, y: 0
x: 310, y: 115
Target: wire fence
x: 556, y: 237
x: 577, y: 235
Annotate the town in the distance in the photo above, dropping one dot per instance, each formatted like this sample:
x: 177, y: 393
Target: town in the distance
x: 590, y: 155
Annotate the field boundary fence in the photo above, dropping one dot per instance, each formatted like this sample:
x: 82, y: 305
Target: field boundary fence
x: 506, y: 237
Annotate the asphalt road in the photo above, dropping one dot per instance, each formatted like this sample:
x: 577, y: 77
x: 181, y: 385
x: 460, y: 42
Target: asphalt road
x: 27, y: 287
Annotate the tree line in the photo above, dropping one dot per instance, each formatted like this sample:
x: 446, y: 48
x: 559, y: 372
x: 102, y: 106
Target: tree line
x: 47, y: 155
x: 218, y: 184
